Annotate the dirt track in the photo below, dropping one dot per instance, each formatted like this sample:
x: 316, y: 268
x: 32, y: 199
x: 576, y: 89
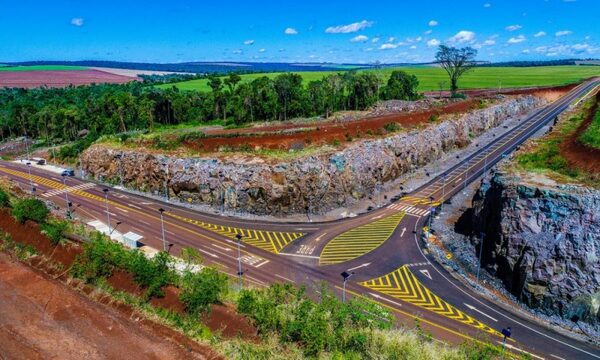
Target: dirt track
x: 42, y: 319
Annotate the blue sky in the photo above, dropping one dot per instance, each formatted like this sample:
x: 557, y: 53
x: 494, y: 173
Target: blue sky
x: 296, y: 31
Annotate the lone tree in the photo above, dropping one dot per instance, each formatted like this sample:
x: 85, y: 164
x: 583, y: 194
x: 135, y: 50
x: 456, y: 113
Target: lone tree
x: 456, y: 62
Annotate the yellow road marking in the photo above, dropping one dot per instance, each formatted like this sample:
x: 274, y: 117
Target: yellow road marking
x: 360, y: 240
x: 408, y: 288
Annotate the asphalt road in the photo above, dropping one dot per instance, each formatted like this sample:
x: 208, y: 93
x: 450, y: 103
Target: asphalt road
x: 382, y: 248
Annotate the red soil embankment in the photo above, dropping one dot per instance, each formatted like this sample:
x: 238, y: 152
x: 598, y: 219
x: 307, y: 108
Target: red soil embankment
x: 579, y: 155
x: 59, y: 78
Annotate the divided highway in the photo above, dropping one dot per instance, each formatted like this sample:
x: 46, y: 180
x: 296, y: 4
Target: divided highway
x: 382, y: 247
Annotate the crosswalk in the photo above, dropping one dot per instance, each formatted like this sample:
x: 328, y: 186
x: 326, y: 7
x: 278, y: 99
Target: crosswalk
x: 360, y: 240
x: 402, y: 284
x: 55, y: 192
x: 271, y: 241
x: 409, y: 209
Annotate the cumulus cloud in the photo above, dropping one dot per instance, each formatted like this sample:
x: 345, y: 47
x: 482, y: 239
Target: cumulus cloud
x: 387, y: 46
x: 350, y: 28
x: 374, y: 40
x: 359, y: 38
x: 249, y: 42
x: 462, y: 37
x: 513, y: 27
x: 428, y: 32
x: 517, y: 39
x: 489, y: 42
x: 413, y: 47
x: 237, y: 51
x: 433, y: 42
x: 262, y: 50
x: 433, y: 23
x: 77, y: 21
x: 290, y: 31
x: 539, y: 34
x: 567, y: 50
x: 487, y: 5
x: 563, y: 33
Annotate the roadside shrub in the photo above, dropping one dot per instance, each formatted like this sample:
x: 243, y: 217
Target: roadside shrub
x: 202, y: 289
x: 191, y: 136
x: 392, y: 127
x: 99, y: 258
x: 433, y: 118
x: 55, y: 230
x: 30, y: 209
x: 458, y: 95
x: 151, y: 273
x: 4, y: 199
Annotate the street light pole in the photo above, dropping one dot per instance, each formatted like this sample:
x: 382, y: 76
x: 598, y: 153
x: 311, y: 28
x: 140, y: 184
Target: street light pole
x: 105, y: 190
x: 482, y: 235
x: 30, y: 178
x: 443, y: 193
x: 162, y: 228
x: 67, y: 196
x: 240, y: 272
x: 345, y: 276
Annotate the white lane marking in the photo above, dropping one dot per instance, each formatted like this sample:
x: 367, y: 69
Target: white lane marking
x: 135, y: 207
x: 171, y: 233
x: 509, y: 346
x: 208, y: 253
x: 146, y: 203
x: 426, y: 273
x: 144, y: 222
x: 557, y: 357
x: 221, y: 247
x: 262, y: 263
x: 255, y: 280
x: 298, y: 255
x: 481, y: 312
x: 235, y: 243
x: 359, y: 266
x: 284, y: 278
x: 300, y: 229
x: 320, y: 236
x: 377, y: 296
x: 377, y: 217
x: 123, y: 210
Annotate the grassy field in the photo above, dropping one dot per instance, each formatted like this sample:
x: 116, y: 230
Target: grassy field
x: 41, y: 68
x: 430, y: 77
x: 591, y: 136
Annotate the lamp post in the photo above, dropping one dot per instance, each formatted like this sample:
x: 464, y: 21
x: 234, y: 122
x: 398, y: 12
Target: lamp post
x: 345, y: 276
x: 167, y: 182
x: 240, y: 272
x: 64, y: 176
x: 105, y: 191
x: 482, y: 235
x: 443, y: 192
x: 162, y: 228
x: 30, y: 178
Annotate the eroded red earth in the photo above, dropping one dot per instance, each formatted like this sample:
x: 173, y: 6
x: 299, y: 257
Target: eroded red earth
x: 59, y: 78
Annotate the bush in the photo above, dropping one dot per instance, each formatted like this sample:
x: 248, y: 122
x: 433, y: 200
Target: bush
x: 99, y: 258
x: 30, y: 209
x: 55, y: 230
x: 433, y: 118
x: 392, y: 127
x: 457, y: 95
x: 4, y: 198
x: 201, y: 289
x: 153, y: 273
x: 191, y: 136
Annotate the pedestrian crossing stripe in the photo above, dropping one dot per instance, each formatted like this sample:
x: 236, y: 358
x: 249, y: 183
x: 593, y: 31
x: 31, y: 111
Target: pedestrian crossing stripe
x: 55, y: 192
x: 271, y: 241
x: 415, y: 200
x: 34, y: 178
x: 409, y: 209
x: 359, y: 241
x: 403, y: 284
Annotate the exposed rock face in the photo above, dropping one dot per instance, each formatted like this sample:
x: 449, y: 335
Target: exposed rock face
x: 311, y: 183
x: 543, y: 241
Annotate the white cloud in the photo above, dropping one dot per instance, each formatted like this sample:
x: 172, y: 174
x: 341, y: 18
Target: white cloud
x: 290, y: 31
x: 489, y: 42
x: 567, y: 50
x: 374, y: 40
x: 517, y: 39
x: 359, y: 38
x: 563, y: 33
x: 526, y: 51
x: 433, y: 42
x: 487, y: 5
x: 513, y: 27
x: 77, y: 21
x: 462, y: 37
x: 539, y: 34
x: 433, y: 23
x: 391, y: 39
x: 588, y: 37
x: 428, y: 32
x: 387, y: 46
x: 350, y: 28
x: 249, y: 42
x: 262, y: 50
x: 237, y: 52
x: 413, y: 47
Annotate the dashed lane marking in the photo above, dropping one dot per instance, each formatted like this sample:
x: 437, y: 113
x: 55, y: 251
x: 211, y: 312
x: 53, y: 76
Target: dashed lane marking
x: 360, y: 240
x: 403, y: 284
x: 408, y: 209
x: 271, y: 241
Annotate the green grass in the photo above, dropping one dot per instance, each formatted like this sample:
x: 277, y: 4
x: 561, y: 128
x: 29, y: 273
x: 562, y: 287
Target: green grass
x: 591, y: 136
x: 429, y: 77
x: 41, y: 68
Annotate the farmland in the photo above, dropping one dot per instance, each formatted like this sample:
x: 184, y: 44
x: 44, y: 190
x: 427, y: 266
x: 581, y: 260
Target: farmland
x: 430, y: 77
x: 8, y: 68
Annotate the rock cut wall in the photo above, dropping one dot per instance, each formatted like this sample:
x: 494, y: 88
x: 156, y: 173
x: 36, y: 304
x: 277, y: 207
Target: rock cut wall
x: 312, y: 184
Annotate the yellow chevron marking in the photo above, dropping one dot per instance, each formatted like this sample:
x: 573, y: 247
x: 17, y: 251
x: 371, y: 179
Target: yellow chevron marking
x: 271, y: 241
x: 360, y: 240
x: 405, y: 286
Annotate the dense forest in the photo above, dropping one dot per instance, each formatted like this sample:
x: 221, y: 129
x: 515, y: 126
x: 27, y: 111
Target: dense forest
x: 58, y: 115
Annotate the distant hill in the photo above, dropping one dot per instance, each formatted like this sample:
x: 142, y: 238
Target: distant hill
x: 542, y: 63
x: 204, y: 67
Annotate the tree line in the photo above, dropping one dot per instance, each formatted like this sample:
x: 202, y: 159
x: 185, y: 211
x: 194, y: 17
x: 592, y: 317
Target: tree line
x: 58, y: 115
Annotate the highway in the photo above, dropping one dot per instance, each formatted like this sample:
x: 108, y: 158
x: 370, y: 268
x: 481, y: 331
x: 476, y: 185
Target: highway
x: 383, y: 247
